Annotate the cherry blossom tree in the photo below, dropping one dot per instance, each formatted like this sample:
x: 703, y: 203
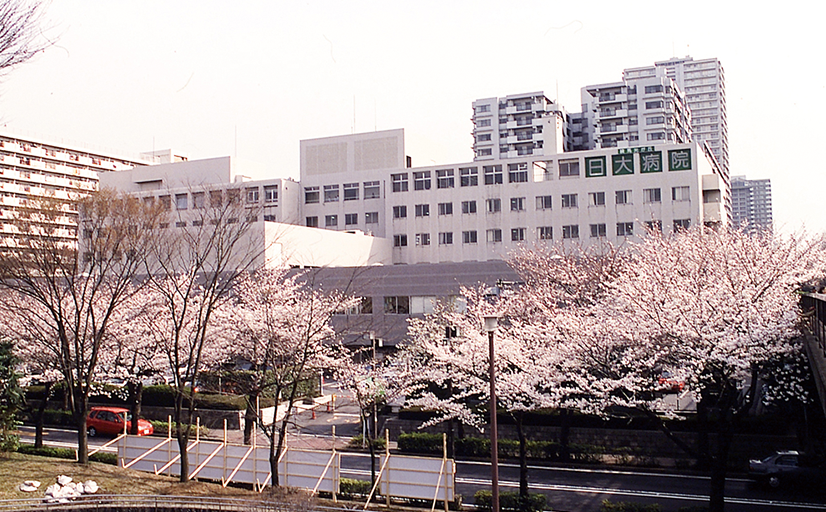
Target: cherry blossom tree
x: 279, y: 322
x: 59, y: 298
x: 713, y: 308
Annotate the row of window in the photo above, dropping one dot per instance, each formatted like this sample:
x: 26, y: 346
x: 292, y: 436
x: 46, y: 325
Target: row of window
x: 518, y: 234
x: 350, y: 219
x: 184, y: 201
x: 332, y: 193
x: 494, y: 205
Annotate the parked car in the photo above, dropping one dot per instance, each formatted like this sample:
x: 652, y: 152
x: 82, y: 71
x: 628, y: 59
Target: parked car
x: 669, y: 383
x: 787, y: 469
x: 110, y: 420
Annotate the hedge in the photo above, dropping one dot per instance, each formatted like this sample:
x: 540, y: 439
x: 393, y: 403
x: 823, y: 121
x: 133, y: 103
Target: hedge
x: 356, y: 442
x: 509, y: 500
x: 424, y: 443
x: 162, y: 427
x: 66, y: 453
x: 628, y: 506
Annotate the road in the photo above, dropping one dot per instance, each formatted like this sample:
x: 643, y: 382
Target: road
x: 572, y: 489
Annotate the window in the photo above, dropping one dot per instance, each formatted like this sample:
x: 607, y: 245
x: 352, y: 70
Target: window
x: 651, y: 195
x: 518, y: 173
x: 517, y: 204
x: 655, y: 120
x: 371, y: 218
x: 545, y: 232
x: 468, y: 237
x: 543, y: 202
x: 180, y: 224
x: 351, y: 192
x: 653, y: 104
x: 421, y: 180
x: 596, y: 198
x: 180, y: 201
x: 372, y: 190
x: 482, y: 108
x: 331, y: 221
x: 399, y: 182
x: 682, y: 224
x: 494, y: 235
x: 569, y: 201
x: 570, y: 231
x: 422, y: 238
x: 445, y: 208
x: 493, y: 205
x: 493, y: 174
x: 198, y: 199
x: 483, y: 122
x: 253, y: 195
x: 517, y: 234
x: 422, y: 210
x: 568, y: 168
x: 216, y: 198
x: 446, y: 238
x: 351, y: 219
x: 597, y: 230
x: 654, y: 226
x: 623, y: 197
x: 468, y: 206
x: 331, y: 193
x: 625, y: 228
x: 271, y: 194
x: 233, y: 196
x: 468, y: 176
x: 655, y: 136
x: 653, y: 88
x: 397, y: 305
x: 311, y: 222
x: 399, y: 212
x: 399, y: 240
x: 484, y: 152
x: 680, y: 193
x: 444, y: 178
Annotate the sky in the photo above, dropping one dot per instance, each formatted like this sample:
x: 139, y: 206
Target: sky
x: 250, y: 79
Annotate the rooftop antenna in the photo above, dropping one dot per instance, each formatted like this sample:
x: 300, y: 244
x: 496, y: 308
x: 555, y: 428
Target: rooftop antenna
x: 354, y: 114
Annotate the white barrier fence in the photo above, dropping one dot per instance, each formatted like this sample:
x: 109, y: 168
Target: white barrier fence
x: 400, y: 476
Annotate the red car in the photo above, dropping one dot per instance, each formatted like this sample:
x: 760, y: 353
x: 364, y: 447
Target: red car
x: 109, y: 420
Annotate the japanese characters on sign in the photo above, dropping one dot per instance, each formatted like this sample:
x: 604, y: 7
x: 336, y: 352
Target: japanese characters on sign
x: 648, y: 161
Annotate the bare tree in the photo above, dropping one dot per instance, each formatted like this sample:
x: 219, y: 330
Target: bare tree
x: 60, y: 298
x: 20, y: 35
x: 192, y: 268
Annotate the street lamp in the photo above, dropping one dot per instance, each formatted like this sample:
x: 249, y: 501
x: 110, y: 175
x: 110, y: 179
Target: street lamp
x: 491, y: 321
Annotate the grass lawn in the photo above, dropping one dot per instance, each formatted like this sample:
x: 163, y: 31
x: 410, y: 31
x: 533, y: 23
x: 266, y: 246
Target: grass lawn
x: 16, y: 468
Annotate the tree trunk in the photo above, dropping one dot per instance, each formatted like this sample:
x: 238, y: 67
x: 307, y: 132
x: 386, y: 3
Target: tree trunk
x: 519, y: 416
x: 371, y: 446
x: 81, y: 406
x: 39, y: 413
x: 251, y: 417
x: 451, y: 438
x: 565, y: 434
x: 719, y: 467
x: 183, y: 432
x: 136, y: 392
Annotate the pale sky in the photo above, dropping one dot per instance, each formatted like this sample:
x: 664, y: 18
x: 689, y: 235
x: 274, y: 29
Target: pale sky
x: 252, y: 78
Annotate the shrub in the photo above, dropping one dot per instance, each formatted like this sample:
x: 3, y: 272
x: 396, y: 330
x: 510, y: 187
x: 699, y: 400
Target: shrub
x: 162, y: 427
x: 535, y: 502
x: 357, y: 442
x: 629, y: 506
x: 352, y: 487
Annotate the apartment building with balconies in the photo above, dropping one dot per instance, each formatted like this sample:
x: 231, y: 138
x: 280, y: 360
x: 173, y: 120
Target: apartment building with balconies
x: 517, y: 125
x: 703, y: 82
x: 35, y: 169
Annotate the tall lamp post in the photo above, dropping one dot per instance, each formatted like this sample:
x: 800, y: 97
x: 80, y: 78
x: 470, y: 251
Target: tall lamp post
x: 491, y: 322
